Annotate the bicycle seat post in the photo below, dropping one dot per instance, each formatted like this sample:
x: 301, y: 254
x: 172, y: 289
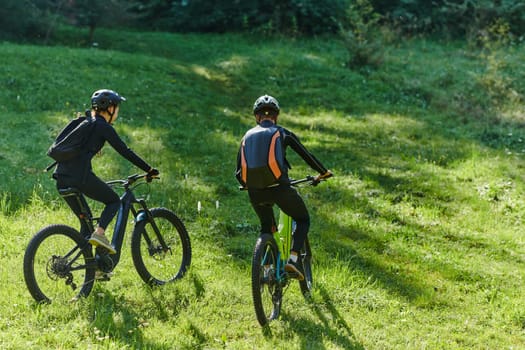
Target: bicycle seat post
x: 283, y: 235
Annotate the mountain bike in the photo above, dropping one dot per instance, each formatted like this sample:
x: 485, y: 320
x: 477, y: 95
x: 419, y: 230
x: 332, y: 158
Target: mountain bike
x: 61, y: 265
x: 271, y: 252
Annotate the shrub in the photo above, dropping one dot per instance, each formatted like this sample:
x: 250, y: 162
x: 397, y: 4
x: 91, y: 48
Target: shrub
x: 455, y: 18
x: 361, y: 36
x: 22, y: 20
x: 309, y: 17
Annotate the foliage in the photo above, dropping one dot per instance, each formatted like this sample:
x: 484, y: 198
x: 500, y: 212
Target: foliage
x: 22, y: 20
x: 37, y: 19
x: 360, y: 35
x: 269, y: 16
x: 499, y: 86
x: 95, y: 13
x: 457, y: 18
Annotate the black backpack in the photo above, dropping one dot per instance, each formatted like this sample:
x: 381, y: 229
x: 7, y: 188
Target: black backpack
x: 263, y: 160
x: 71, y: 141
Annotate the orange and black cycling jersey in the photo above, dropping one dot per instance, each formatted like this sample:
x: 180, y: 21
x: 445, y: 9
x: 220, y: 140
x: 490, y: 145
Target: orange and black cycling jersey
x: 289, y: 139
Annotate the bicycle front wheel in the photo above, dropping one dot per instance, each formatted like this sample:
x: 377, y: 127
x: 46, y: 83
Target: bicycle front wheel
x: 266, y: 290
x: 160, y: 247
x: 306, y: 261
x: 59, y: 265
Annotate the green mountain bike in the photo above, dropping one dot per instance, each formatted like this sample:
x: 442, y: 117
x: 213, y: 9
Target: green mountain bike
x: 271, y: 252
x: 61, y: 265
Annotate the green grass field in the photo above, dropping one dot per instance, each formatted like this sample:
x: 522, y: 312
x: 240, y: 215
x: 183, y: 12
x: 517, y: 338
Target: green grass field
x: 417, y: 239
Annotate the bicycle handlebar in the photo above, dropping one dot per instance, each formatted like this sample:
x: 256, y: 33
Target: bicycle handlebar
x: 309, y: 178
x: 312, y: 181
x: 132, y: 179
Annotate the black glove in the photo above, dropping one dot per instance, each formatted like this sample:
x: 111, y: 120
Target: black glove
x: 321, y: 177
x: 152, y: 173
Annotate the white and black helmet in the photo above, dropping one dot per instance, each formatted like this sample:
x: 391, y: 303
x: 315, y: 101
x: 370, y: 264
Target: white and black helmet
x: 266, y: 102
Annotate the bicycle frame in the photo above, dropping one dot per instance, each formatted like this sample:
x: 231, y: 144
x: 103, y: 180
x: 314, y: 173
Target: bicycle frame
x: 283, y: 238
x: 126, y: 205
x: 270, y: 279
x: 284, y: 234
x: 59, y: 261
x: 127, y: 201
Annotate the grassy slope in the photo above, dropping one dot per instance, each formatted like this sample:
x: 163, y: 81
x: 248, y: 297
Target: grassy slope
x: 417, y: 239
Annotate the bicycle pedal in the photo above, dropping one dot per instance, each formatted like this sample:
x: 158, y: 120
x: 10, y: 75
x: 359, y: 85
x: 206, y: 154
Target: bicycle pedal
x: 103, y: 276
x: 295, y: 276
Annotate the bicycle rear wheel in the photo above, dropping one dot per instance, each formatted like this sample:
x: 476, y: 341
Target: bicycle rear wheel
x: 59, y: 265
x: 164, y: 256
x: 266, y: 290
x: 306, y: 261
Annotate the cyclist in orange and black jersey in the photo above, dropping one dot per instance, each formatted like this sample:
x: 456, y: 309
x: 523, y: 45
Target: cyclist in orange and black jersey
x: 266, y: 110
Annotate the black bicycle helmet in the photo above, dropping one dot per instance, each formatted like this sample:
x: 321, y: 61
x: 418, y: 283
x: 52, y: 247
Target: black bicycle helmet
x: 101, y: 100
x: 266, y: 102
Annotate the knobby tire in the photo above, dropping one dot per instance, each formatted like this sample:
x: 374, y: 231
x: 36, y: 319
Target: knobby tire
x: 266, y: 290
x: 306, y: 260
x: 154, y: 264
x: 59, y: 265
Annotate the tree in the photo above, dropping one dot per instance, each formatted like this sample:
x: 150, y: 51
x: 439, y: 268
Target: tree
x: 22, y: 20
x: 456, y: 18
x: 95, y: 13
x: 287, y: 17
x: 359, y: 34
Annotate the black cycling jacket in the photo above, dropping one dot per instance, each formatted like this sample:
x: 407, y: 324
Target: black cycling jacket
x: 289, y: 139
x: 79, y: 167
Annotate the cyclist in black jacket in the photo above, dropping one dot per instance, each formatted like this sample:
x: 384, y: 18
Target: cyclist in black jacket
x: 78, y: 172
x: 266, y: 110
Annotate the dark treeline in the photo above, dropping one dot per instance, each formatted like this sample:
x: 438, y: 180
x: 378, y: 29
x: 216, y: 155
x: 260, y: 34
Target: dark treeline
x: 38, y: 19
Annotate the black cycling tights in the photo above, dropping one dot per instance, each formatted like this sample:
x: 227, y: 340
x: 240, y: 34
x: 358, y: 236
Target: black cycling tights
x: 286, y: 198
x: 96, y: 189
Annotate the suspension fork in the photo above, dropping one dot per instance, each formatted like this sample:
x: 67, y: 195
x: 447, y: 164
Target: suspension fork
x: 145, y: 214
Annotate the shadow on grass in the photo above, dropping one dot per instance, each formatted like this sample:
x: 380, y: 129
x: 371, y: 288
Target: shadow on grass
x: 169, y: 303
x: 113, y: 320
x: 117, y: 320
x: 368, y: 250
x: 330, y: 326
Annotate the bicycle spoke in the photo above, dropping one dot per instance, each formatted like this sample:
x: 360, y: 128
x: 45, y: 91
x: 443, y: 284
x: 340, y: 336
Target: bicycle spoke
x: 161, y: 252
x: 55, y: 268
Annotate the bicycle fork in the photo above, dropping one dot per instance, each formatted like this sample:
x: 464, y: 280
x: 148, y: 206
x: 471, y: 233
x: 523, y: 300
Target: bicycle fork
x: 145, y: 215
